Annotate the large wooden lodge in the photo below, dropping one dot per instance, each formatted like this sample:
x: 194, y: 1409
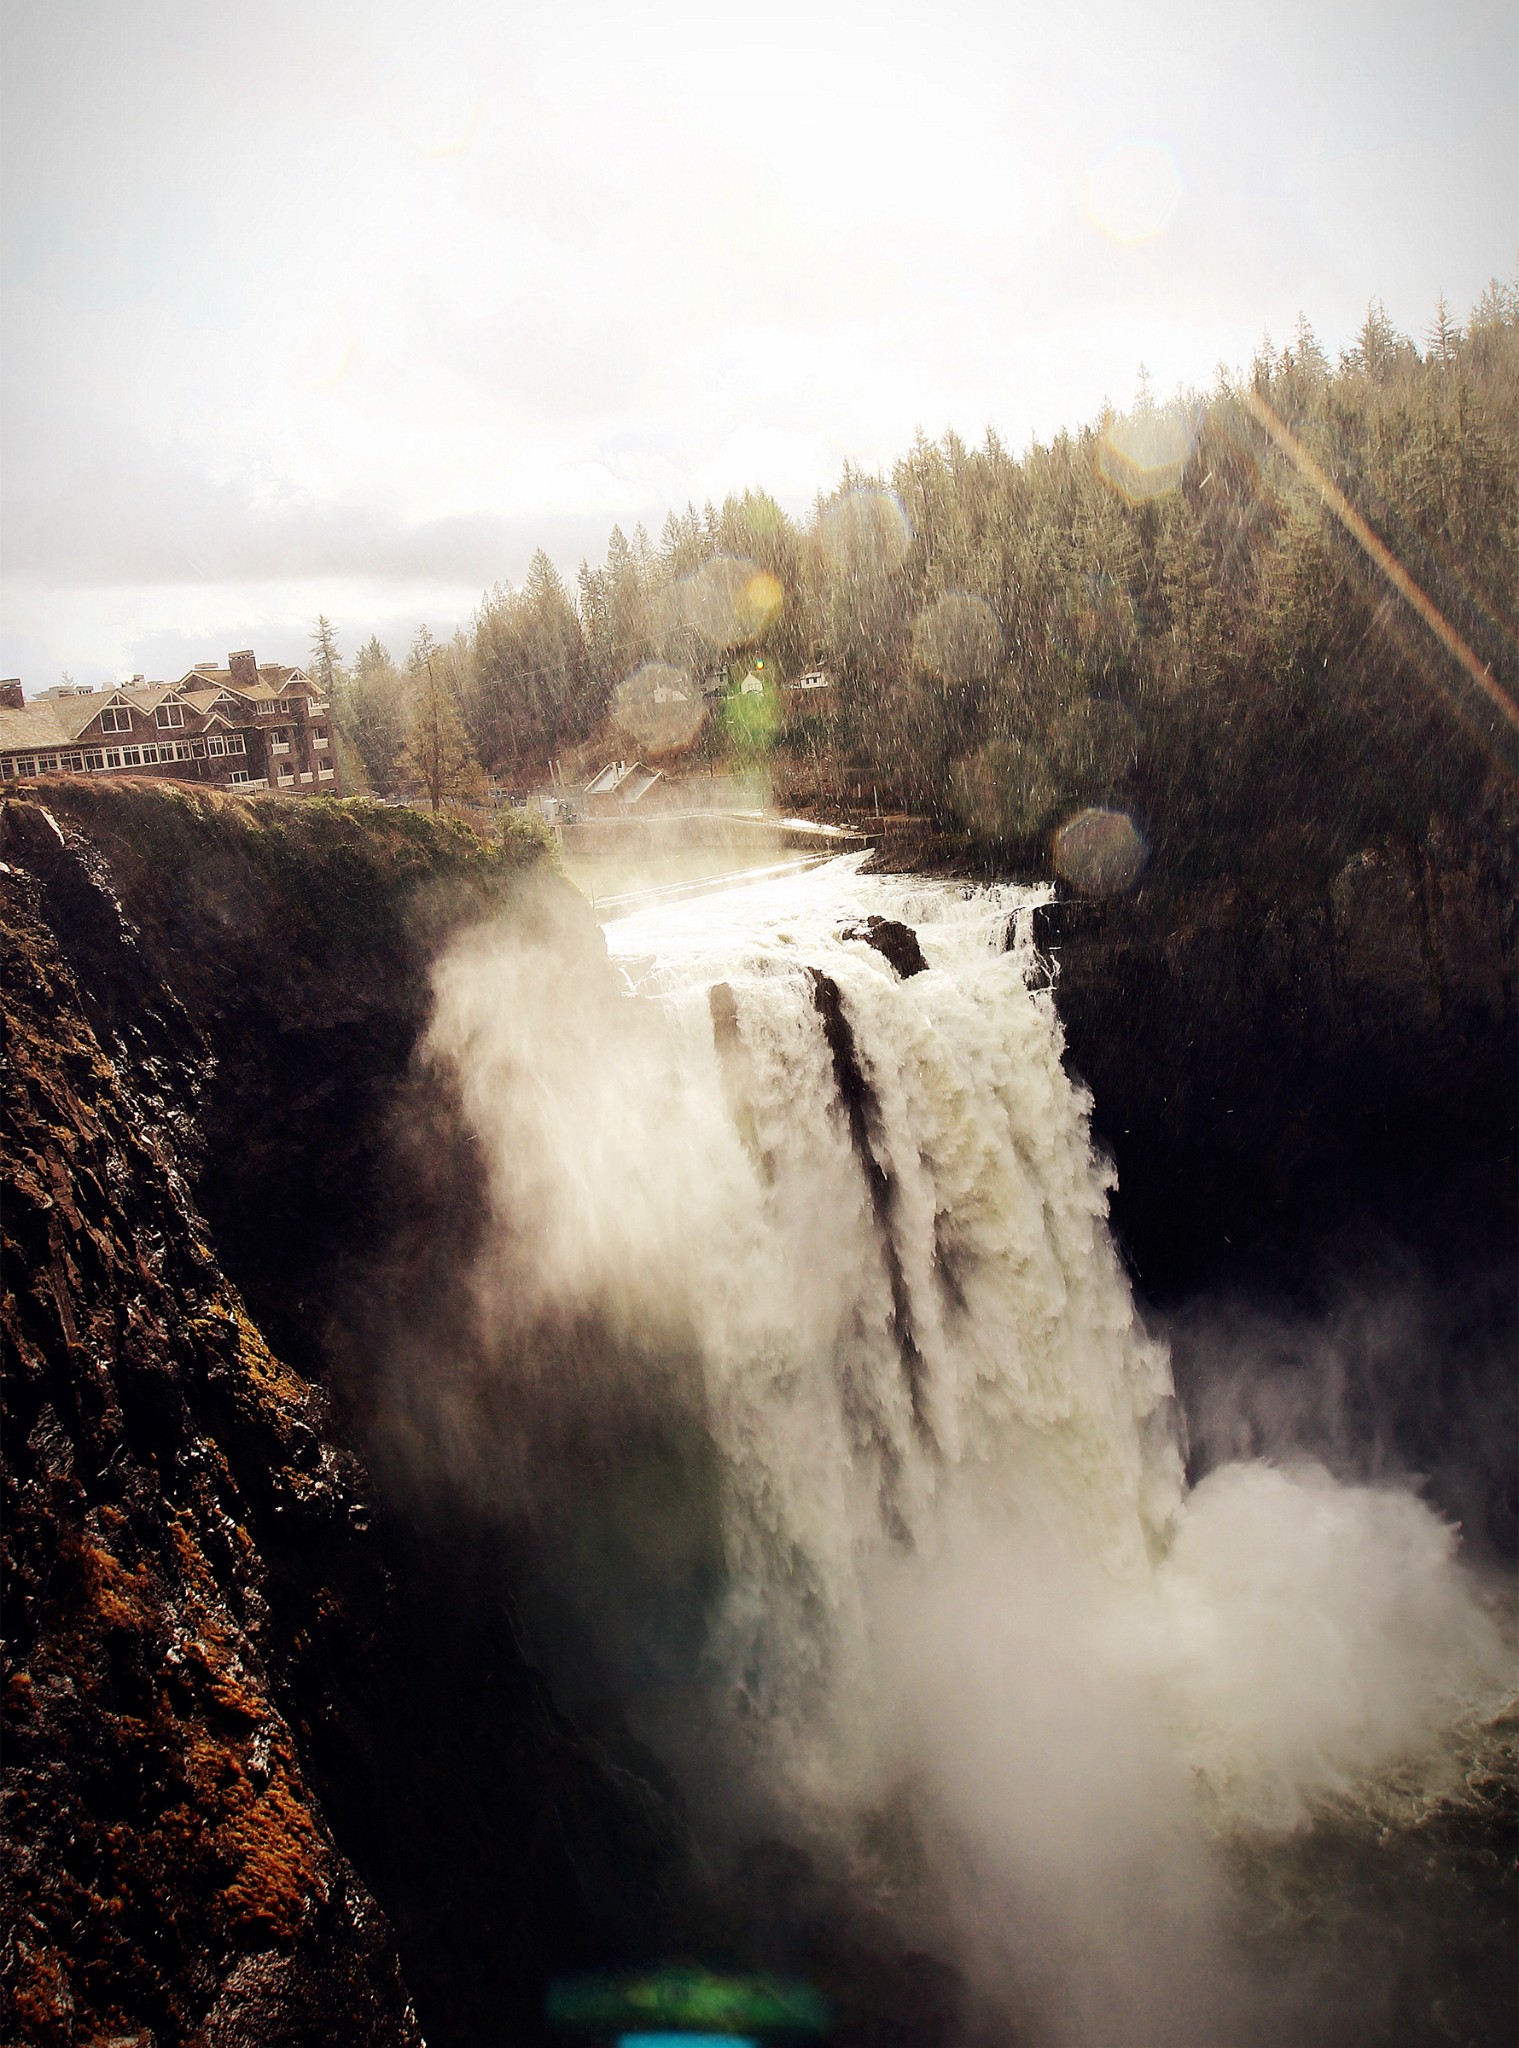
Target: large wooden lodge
x: 248, y: 726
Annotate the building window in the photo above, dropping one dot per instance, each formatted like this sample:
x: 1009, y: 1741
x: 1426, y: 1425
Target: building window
x: 7, y: 767
x: 116, y: 721
x: 239, y: 775
x: 237, y: 743
x: 47, y: 764
x: 169, y: 714
x: 113, y: 757
x: 198, y: 749
x: 131, y: 757
x: 73, y: 762
x: 95, y: 760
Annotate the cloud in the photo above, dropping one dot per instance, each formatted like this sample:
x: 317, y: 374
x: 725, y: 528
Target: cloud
x: 334, y: 291
x: 124, y: 513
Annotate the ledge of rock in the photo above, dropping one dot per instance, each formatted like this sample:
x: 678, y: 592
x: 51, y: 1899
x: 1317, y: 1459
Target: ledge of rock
x: 894, y: 941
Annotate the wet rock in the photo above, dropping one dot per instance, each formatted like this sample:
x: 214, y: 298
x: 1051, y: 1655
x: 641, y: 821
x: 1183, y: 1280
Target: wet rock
x: 1312, y: 1104
x: 152, y: 1773
x: 894, y: 941
x: 275, y: 1755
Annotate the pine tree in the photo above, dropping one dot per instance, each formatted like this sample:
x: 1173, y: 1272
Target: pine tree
x: 371, y: 714
x: 437, y: 752
x: 1443, y: 339
x: 326, y: 661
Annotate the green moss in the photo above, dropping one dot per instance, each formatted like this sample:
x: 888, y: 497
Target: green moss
x: 307, y: 878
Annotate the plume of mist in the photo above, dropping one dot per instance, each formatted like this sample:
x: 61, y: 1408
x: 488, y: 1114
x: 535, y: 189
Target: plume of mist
x: 1080, y: 1682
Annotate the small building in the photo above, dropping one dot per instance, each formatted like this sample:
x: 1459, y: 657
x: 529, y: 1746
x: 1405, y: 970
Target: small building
x: 814, y: 679
x: 752, y: 686
x: 243, y: 727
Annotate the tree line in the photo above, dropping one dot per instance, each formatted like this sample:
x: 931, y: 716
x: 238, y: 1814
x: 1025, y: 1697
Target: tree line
x: 1272, y: 624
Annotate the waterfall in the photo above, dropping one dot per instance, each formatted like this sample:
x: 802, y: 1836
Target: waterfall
x: 861, y: 1210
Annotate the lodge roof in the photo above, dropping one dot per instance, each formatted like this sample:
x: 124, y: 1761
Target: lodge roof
x: 45, y: 722
x: 274, y: 679
x: 52, y: 722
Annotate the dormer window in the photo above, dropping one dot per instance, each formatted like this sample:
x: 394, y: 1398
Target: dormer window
x: 116, y: 718
x: 169, y: 714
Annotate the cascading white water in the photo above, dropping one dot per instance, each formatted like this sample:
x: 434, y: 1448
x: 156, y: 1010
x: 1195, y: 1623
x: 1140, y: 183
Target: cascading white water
x: 959, y: 1552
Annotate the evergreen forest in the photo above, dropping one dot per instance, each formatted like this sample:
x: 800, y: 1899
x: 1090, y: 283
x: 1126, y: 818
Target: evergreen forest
x: 1271, y: 625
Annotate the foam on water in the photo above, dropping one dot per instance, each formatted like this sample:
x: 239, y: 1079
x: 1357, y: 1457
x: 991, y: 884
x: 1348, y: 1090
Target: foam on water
x: 959, y: 1550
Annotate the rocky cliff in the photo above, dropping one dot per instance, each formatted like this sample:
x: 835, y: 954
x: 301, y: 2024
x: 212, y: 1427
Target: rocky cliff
x: 278, y: 1768
x: 1314, y: 1117
x: 239, y: 1701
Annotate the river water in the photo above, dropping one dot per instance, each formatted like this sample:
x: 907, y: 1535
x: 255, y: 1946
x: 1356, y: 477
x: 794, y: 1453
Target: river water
x: 932, y: 1598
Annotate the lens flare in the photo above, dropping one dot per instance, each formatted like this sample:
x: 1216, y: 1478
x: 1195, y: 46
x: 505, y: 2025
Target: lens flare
x: 1099, y: 852
x: 864, y: 533
x: 764, y: 595
x: 1133, y: 192
x: 726, y: 602
x: 958, y: 639
x: 751, y: 715
x: 660, y: 706
x: 685, y: 2003
x: 1382, y: 557
x: 1145, y: 454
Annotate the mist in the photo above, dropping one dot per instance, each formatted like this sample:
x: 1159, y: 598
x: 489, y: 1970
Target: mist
x: 969, y: 1642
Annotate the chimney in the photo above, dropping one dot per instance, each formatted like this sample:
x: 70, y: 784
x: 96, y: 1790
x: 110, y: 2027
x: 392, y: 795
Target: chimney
x: 244, y: 669
x: 11, y: 698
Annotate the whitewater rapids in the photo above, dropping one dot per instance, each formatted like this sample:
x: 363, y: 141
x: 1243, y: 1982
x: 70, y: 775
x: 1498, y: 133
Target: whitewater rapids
x: 958, y: 1552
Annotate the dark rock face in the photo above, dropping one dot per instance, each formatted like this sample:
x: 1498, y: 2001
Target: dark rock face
x: 170, y: 1866
x: 862, y: 1114
x: 893, y: 940
x: 1316, y: 1111
x: 247, y: 1698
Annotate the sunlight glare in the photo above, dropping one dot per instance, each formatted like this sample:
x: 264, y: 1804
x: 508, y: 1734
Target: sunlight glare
x: 865, y: 533
x: 660, y: 707
x: 1133, y: 192
x: 1144, y: 454
x: 728, y: 600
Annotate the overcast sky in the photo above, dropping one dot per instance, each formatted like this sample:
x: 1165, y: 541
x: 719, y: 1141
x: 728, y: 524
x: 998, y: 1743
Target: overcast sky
x: 336, y: 307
